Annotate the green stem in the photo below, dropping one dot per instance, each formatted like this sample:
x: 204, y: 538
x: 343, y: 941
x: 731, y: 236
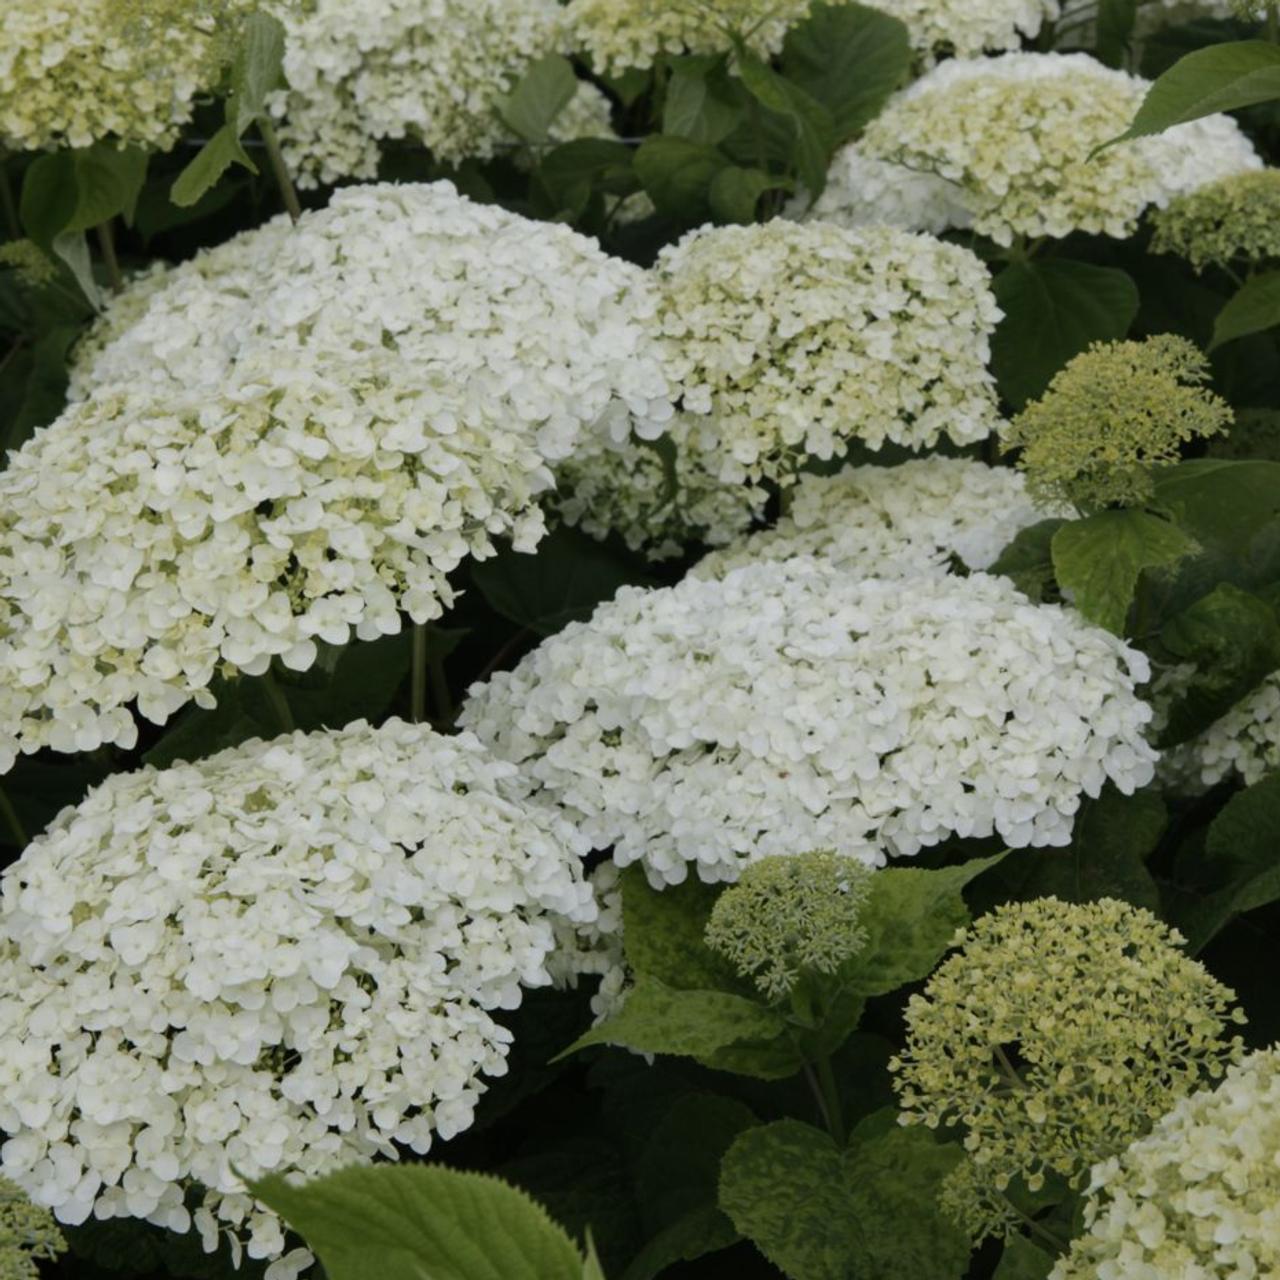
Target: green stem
x: 440, y: 693
x: 288, y: 193
x: 418, y: 682
x: 831, y: 1099
x: 107, y: 243
x: 11, y: 818
x: 1054, y: 1241
x: 279, y: 703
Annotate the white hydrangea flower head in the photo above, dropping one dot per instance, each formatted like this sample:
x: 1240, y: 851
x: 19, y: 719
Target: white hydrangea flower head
x: 430, y: 70
x: 1199, y: 1197
x: 1014, y: 135
x: 285, y: 957
x: 884, y: 522
x: 295, y: 438
x: 970, y: 28
x: 72, y: 74
x: 789, y: 340
x: 791, y: 706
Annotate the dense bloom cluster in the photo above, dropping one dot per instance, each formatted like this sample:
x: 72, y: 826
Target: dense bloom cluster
x: 75, y: 72
x: 433, y: 70
x: 1237, y: 217
x: 1110, y: 416
x: 789, y: 340
x: 1055, y: 1035
x: 1198, y: 1197
x: 294, y: 437
x: 885, y: 522
x: 791, y: 705
x: 1244, y: 743
x: 27, y: 1233
x: 1013, y: 137
x: 791, y: 914
x: 284, y: 957
x: 968, y: 28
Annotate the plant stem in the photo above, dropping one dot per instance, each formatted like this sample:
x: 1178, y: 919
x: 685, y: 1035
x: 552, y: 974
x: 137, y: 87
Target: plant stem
x: 107, y: 243
x: 12, y: 819
x: 288, y: 193
x: 815, y: 1088
x: 445, y: 710
x: 279, y: 703
x: 418, y: 684
x: 831, y: 1099
x: 1055, y: 1242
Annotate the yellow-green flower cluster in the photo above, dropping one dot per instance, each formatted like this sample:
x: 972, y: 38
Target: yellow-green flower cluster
x: 1057, y: 1034
x: 620, y: 34
x: 27, y: 1233
x: 1199, y: 1197
x: 1235, y: 217
x: 788, y: 914
x: 1111, y: 415
x: 77, y: 73
x: 33, y: 265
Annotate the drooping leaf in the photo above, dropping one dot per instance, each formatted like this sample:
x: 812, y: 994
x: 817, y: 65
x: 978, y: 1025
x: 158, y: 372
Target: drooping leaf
x: 108, y: 181
x: 1254, y: 308
x: 541, y: 94
x: 208, y: 165
x: 73, y: 249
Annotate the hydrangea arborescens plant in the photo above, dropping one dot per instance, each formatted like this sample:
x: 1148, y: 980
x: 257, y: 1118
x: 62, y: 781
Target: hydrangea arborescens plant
x: 109, y: 70
x: 789, y: 914
x: 294, y: 438
x: 1056, y: 1034
x: 28, y: 1234
x: 791, y: 705
x: 1198, y: 1196
x: 285, y: 957
x: 1236, y: 219
x: 1013, y: 137
x: 1110, y: 416
x: 907, y: 520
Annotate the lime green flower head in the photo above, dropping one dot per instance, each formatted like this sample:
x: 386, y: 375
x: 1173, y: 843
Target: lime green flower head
x: 26, y: 1233
x: 788, y: 914
x: 1235, y: 218
x: 33, y: 266
x: 1110, y: 416
x: 1057, y: 1034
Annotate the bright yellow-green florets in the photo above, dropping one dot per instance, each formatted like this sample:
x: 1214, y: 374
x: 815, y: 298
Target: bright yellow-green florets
x: 789, y: 914
x: 27, y: 1232
x: 1110, y: 416
x: 1234, y: 218
x: 1057, y: 1034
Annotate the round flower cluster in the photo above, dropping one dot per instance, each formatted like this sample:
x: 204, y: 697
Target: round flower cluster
x: 432, y: 70
x: 27, y: 1233
x: 1013, y: 135
x: 790, y: 706
x: 1237, y: 217
x: 1057, y: 1034
x: 789, y: 914
x: 294, y: 437
x: 1110, y: 416
x: 792, y: 339
x: 622, y: 34
x: 969, y: 28
x: 282, y: 958
x: 888, y: 522
x: 72, y: 74
x: 1198, y: 1197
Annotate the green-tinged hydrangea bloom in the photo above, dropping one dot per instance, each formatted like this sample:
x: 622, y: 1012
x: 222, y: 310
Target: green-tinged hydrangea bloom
x: 1057, y: 1034
x: 126, y: 70
x: 788, y: 914
x: 27, y: 1232
x: 33, y: 265
x: 1234, y: 218
x: 1111, y: 415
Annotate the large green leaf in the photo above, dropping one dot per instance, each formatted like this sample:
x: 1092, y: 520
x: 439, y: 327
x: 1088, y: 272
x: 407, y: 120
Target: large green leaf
x: 422, y: 1222
x: 1022, y: 1260
x: 1099, y: 560
x: 677, y: 173
x: 735, y: 192
x: 702, y: 102
x: 1253, y: 309
x: 542, y: 93
x: 813, y: 130
x: 819, y: 1213
x: 1053, y: 310
x: 1223, y: 503
x: 1115, y: 23
x: 256, y: 70
x: 1028, y: 559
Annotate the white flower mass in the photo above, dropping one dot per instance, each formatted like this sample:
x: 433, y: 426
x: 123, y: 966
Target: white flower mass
x: 294, y: 438
x: 969, y: 28
x: 791, y: 706
x: 285, y: 957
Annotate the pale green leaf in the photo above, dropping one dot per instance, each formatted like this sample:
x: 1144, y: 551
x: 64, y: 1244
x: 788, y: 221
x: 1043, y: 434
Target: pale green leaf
x: 1254, y: 308
x: 541, y: 94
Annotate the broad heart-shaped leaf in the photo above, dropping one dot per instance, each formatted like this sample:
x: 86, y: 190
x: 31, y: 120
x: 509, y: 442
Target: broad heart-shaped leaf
x: 703, y: 103
x: 542, y: 93
x: 850, y: 59
x: 1255, y: 307
x: 414, y: 1222
x: 1223, y: 503
x: 735, y: 192
x: 208, y: 165
x: 1022, y: 1260
x: 67, y: 192
x: 869, y: 1212
x: 1053, y: 310
x: 677, y: 173
x: 1222, y: 77
x: 1028, y: 559
x: 256, y: 70
x: 1100, y: 558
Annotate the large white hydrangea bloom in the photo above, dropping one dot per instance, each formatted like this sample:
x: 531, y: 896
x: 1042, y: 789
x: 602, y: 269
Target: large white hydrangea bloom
x: 1199, y: 1197
x: 283, y: 958
x: 1012, y: 136
x: 294, y: 438
x: 882, y: 522
x: 790, y: 705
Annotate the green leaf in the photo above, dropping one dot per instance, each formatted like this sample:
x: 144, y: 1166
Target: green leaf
x: 1223, y: 77
x: 408, y: 1222
x: 849, y: 58
x: 735, y: 192
x: 256, y: 71
x: 1223, y: 503
x: 572, y: 172
x: 700, y: 100
x: 108, y: 181
x: 1028, y: 559
x: 677, y: 173
x: 50, y: 196
x: 1022, y: 1260
x: 811, y: 123
x: 1115, y: 23
x: 1052, y: 311
x: 73, y: 249
x: 1099, y: 560
x: 818, y: 1213
x: 543, y: 92
x: 1254, y: 308
x: 209, y: 164
x: 656, y: 1018
x: 44, y: 392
